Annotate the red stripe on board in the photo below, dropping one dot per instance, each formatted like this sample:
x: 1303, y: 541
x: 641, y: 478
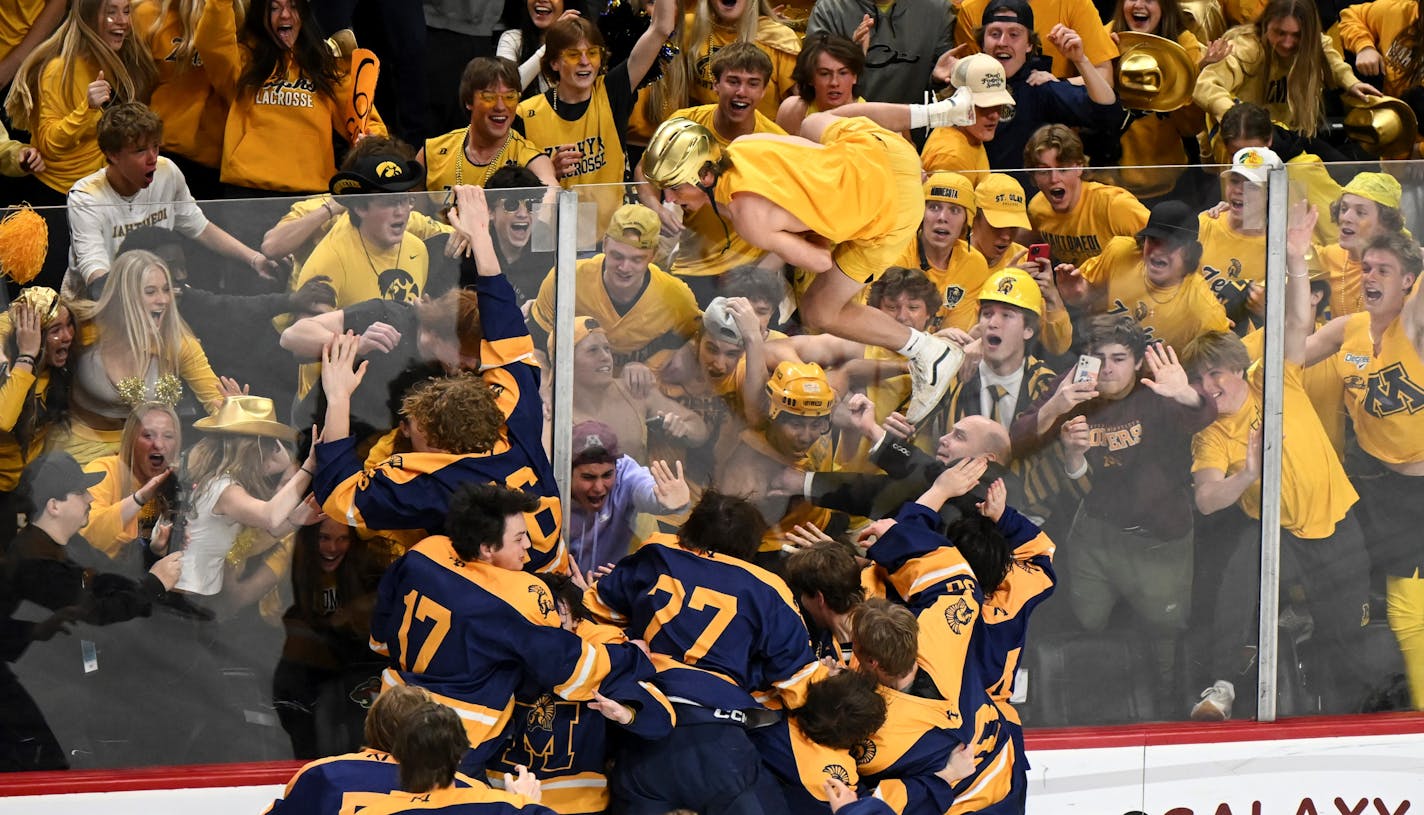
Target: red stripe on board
x: 1317, y: 727
x: 1068, y: 738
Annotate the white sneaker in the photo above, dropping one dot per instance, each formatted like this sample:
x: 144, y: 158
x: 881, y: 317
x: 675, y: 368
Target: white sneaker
x: 956, y: 111
x: 1215, y: 704
x: 931, y: 372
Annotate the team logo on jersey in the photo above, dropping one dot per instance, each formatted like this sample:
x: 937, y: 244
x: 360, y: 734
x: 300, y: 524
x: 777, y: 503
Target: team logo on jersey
x: 546, y: 605
x: 1391, y: 391
x: 863, y: 752
x: 837, y: 772
x: 1357, y: 360
x: 541, y: 714
x: 365, y: 693
x: 952, y: 296
x: 959, y: 615
x: 398, y: 285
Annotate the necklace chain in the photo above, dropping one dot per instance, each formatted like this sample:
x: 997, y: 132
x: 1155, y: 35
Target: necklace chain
x: 489, y: 168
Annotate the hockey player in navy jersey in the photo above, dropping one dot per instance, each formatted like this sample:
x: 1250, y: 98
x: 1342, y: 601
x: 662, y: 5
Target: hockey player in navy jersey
x: 720, y: 630
x: 458, y: 617
x: 462, y: 429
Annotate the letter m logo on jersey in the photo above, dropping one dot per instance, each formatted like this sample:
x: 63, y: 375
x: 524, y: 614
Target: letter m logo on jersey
x: 1391, y: 391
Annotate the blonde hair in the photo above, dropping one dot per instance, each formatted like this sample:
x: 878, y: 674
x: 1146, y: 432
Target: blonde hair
x: 239, y: 457
x: 132, y: 426
x: 673, y: 90
x: 131, y: 70
x: 120, y: 314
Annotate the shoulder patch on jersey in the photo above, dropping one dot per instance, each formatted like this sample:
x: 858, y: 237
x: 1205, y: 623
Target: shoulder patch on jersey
x: 837, y: 772
x: 959, y: 615
x: 546, y: 604
x: 863, y: 753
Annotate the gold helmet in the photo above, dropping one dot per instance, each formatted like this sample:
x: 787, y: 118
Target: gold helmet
x: 678, y: 151
x: 800, y: 389
x: 1015, y: 287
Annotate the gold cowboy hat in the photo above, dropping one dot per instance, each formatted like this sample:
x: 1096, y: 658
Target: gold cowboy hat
x: 1382, y: 125
x: 1154, y: 73
x: 247, y: 416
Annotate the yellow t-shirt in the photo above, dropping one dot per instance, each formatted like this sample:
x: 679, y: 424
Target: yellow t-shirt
x: 708, y: 245
x: 959, y: 284
x: 1322, y: 385
x: 1347, y: 296
x: 1384, y: 392
x: 596, y: 134
x: 1102, y: 213
x: 361, y: 272
x: 860, y: 189
x: 659, y: 322
x: 1176, y: 316
x: 949, y: 149
x: 446, y: 164
x: 1315, y: 492
x: 1229, y: 254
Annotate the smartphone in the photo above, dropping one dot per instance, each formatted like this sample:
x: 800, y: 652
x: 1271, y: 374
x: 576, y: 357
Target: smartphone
x: 1037, y: 252
x: 1087, y: 368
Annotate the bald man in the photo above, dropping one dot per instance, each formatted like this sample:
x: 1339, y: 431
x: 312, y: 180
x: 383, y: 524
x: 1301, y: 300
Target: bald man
x: 909, y: 470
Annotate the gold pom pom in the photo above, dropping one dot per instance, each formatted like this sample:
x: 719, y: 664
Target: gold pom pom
x: 169, y: 389
x: 24, y: 239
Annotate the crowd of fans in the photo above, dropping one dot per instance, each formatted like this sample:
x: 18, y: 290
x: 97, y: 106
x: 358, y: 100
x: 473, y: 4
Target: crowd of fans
x: 277, y: 460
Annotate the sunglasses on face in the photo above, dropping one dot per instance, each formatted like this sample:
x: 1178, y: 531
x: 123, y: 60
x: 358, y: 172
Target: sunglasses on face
x: 510, y: 98
x: 513, y: 204
x: 574, y: 55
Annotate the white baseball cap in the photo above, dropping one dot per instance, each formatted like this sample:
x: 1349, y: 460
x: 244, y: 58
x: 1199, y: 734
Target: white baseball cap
x: 1255, y: 164
x: 983, y: 75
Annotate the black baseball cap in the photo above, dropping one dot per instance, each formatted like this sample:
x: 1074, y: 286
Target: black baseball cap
x: 54, y: 475
x: 380, y: 172
x: 1008, y: 11
x: 1171, y: 221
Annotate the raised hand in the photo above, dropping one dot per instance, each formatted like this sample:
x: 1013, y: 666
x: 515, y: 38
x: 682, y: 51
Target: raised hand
x: 231, y: 387
x: 962, y: 477
x: 27, y: 330
x: 995, y: 499
x: 1169, y: 378
x: 339, y: 374
x: 99, y: 92
x: 669, y: 488
x: 804, y: 536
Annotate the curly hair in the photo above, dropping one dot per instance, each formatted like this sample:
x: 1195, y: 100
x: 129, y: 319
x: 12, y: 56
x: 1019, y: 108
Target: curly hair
x: 899, y: 280
x: 457, y: 414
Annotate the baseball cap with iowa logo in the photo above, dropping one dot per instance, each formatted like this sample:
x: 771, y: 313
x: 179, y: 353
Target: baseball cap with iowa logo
x: 378, y: 172
x: 1001, y: 199
x: 953, y: 188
